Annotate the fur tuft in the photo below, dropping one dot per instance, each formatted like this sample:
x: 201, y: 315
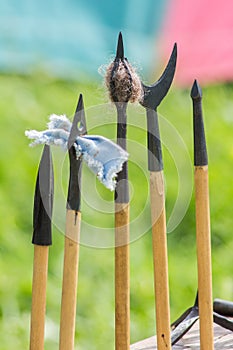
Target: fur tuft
x: 122, y: 82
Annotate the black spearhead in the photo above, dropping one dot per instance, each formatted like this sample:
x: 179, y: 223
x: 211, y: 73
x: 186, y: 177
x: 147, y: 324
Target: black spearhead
x: 200, y: 150
x: 78, y: 128
x: 155, y: 93
x: 152, y: 97
x: 43, y: 201
x: 120, y: 48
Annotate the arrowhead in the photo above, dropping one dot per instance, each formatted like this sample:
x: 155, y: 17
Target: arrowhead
x: 154, y: 94
x: 79, y: 123
x: 120, y: 47
x: 200, y: 150
x: 43, y: 201
x: 78, y: 128
x: 196, y: 92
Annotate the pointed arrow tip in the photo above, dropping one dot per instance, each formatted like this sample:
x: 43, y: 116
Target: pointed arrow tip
x: 120, y: 47
x: 154, y: 94
x: 78, y: 128
x: 196, y: 91
x: 200, y: 149
x: 80, y: 103
x: 79, y: 123
x: 174, y: 51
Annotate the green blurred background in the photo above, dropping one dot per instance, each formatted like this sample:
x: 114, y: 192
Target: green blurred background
x: 25, y: 103
x: 41, y: 76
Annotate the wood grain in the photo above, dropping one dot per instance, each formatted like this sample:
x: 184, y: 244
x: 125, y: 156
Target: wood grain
x: 204, y: 257
x: 160, y: 259
x: 70, y: 280
x: 122, y: 277
x: 39, y: 283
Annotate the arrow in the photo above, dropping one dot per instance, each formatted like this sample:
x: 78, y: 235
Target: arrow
x: 153, y: 96
x: 201, y: 180
x: 72, y: 235
x: 43, y: 203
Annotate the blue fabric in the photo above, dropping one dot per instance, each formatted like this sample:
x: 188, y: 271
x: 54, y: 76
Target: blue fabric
x: 73, y: 38
x: 103, y: 157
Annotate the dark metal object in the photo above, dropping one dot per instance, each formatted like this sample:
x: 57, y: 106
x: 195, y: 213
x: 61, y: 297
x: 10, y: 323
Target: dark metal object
x: 223, y: 307
x: 122, y: 186
x: 200, y: 150
x: 78, y: 128
x: 182, y: 325
x: 184, y: 322
x: 153, y: 95
x: 223, y: 321
x: 43, y: 201
x: 120, y: 48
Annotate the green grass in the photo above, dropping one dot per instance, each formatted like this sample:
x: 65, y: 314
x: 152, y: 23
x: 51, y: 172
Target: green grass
x: 26, y: 103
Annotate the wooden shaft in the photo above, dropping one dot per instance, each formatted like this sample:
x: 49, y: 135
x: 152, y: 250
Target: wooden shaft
x: 204, y: 257
x: 70, y: 279
x: 40, y: 272
x: 159, y: 238
x: 122, y: 277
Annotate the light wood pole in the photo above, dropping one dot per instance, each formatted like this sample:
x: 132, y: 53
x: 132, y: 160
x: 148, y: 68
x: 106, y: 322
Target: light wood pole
x: 122, y: 268
x: 42, y: 239
x: 153, y: 95
x: 70, y: 280
x: 122, y: 239
x: 159, y: 234
x: 203, y: 236
x: 72, y: 237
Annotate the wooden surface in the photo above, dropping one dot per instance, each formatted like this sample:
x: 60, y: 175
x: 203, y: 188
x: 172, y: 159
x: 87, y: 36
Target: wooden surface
x: 160, y: 260
x: 122, y: 277
x: 205, y: 301
x: 40, y: 272
x: 223, y: 339
x: 70, y: 279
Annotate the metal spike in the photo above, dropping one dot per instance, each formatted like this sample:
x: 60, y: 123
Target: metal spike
x: 154, y: 94
x: 79, y: 123
x: 78, y: 128
x: 200, y: 150
x: 196, y: 92
x: 43, y: 200
x: 120, y: 48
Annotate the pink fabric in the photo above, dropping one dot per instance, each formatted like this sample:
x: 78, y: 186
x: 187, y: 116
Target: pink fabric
x: 203, y: 31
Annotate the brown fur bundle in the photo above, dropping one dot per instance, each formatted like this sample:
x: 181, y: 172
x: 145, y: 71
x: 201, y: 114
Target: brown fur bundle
x: 123, y: 83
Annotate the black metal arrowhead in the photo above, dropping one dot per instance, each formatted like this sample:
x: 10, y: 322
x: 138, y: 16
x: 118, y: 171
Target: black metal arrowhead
x: 43, y: 201
x: 120, y: 48
x: 200, y: 150
x: 155, y: 93
x: 79, y: 123
x: 223, y: 307
x: 78, y: 128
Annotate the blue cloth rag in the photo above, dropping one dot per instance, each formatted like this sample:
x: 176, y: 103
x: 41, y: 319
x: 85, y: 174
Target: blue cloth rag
x: 103, y: 157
